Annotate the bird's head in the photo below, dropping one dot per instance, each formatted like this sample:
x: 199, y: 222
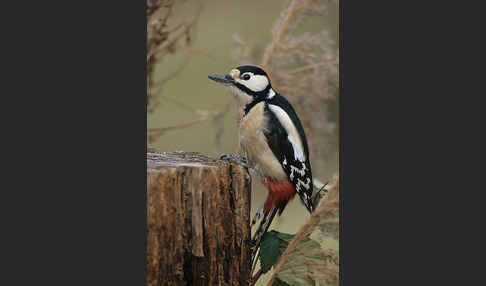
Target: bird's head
x: 247, y: 83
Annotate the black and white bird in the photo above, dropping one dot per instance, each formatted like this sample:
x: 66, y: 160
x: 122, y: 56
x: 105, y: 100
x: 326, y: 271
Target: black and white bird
x: 272, y: 140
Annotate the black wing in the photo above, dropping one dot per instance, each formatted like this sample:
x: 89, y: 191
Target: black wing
x: 299, y: 172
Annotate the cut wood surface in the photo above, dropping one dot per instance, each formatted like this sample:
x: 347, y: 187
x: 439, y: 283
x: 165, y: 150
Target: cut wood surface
x: 198, y: 213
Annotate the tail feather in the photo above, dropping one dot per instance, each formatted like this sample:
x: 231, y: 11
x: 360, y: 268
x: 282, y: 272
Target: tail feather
x: 262, y: 229
x: 280, y: 192
x: 257, y: 216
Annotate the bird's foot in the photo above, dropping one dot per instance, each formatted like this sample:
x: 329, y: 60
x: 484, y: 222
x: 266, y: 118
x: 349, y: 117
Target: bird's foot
x: 247, y: 177
x: 238, y: 160
x: 234, y: 159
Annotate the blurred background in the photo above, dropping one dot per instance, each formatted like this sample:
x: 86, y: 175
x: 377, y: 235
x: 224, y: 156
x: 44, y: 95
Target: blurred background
x: 296, y: 42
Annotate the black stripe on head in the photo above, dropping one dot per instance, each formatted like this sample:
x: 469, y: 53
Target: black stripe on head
x: 255, y: 71
x: 258, y: 96
x: 252, y: 69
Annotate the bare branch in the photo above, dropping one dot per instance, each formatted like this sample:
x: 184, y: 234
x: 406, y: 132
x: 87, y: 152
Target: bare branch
x: 283, y: 26
x: 311, y: 66
x: 163, y: 40
x: 203, y: 116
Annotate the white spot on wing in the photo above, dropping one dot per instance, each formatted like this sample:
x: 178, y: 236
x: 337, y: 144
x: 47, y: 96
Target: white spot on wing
x: 306, y: 185
x: 293, y: 135
x: 300, y: 183
x: 300, y: 171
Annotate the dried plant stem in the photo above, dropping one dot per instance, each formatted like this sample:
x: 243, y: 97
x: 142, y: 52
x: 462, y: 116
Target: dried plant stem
x: 328, y: 205
x: 163, y: 40
x: 164, y: 48
x: 184, y: 125
x: 169, y: 12
x: 311, y: 66
x: 205, y: 115
x: 292, y: 10
x: 177, y: 102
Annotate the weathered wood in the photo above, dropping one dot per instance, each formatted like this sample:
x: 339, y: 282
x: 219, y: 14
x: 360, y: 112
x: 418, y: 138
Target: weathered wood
x: 198, y: 213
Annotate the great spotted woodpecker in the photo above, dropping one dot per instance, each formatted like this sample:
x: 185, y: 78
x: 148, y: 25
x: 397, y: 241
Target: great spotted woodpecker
x: 273, y: 140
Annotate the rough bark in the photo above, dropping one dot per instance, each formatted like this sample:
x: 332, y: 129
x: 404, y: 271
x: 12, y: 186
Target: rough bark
x: 198, y: 213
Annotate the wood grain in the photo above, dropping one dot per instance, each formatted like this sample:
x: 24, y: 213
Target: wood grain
x: 198, y: 220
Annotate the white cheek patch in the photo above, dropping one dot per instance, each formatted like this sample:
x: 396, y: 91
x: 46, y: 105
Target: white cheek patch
x: 255, y: 83
x: 293, y: 135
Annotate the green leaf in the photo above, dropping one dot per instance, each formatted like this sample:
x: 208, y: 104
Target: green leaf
x: 273, y: 245
x: 269, y: 251
x: 279, y: 282
x: 285, y: 237
x: 314, y: 256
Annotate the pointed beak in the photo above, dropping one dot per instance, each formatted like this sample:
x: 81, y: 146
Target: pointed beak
x: 224, y: 79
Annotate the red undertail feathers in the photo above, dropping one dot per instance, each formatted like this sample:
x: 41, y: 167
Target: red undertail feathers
x: 280, y: 192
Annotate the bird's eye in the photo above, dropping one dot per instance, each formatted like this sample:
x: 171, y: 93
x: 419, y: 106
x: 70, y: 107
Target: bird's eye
x: 246, y: 77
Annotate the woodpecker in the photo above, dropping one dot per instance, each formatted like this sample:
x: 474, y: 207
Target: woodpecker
x: 273, y: 142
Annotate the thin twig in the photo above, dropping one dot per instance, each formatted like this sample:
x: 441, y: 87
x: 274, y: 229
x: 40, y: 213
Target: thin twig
x: 162, y: 49
x: 330, y: 204
x: 179, y: 103
x: 188, y: 27
x: 184, y: 125
x: 291, y: 11
x: 169, y: 13
x: 204, y: 115
x: 311, y: 66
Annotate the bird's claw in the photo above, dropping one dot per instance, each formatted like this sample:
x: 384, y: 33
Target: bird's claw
x: 234, y: 159
x: 238, y: 160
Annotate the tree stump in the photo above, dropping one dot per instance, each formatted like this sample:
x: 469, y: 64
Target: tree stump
x: 198, y: 219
